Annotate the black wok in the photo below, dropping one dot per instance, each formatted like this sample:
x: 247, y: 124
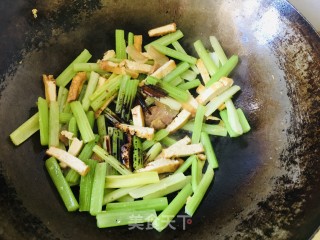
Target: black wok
x: 267, y: 186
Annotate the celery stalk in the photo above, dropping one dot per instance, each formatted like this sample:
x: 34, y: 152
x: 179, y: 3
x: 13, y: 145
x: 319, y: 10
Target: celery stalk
x: 131, y: 180
x: 157, y: 204
x: 119, y: 218
x: 163, y: 220
x: 65, y: 77
x: 194, y: 202
x: 43, y: 121
x: 82, y: 121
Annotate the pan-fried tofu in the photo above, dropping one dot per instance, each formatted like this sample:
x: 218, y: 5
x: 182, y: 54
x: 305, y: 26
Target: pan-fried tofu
x: 49, y: 87
x: 70, y: 160
x: 191, y: 105
x: 200, y: 89
x: 108, y: 55
x: 112, y: 67
x: 138, y: 67
x: 161, y: 165
x: 203, y: 71
x: 135, y: 54
x: 163, y: 30
x: 179, y: 121
x: 142, y: 132
x: 137, y: 116
x: 183, y: 150
x: 137, y: 42
x: 75, y: 147
x: 164, y: 70
x: 76, y: 86
x: 214, y: 90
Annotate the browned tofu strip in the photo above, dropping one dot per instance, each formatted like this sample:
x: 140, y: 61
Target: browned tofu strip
x: 137, y: 42
x: 49, y: 87
x: 76, y: 86
x: 160, y: 31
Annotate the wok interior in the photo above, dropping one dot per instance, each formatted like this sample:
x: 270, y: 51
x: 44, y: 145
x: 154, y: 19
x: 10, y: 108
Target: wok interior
x: 256, y: 180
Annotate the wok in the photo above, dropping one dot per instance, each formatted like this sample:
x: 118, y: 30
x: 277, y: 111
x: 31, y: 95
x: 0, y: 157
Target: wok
x: 267, y: 186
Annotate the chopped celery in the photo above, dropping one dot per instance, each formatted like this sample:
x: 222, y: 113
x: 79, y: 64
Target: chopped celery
x: 43, y: 121
x: 123, y: 217
x: 163, y: 220
x: 65, y: 77
x: 131, y: 180
x: 162, y: 184
x: 82, y: 121
x: 195, y: 200
x: 224, y: 71
x: 157, y: 204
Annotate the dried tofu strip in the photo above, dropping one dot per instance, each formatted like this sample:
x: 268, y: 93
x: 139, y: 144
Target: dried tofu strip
x: 137, y: 42
x: 108, y: 55
x: 158, y: 57
x: 161, y: 165
x: 135, y: 54
x: 214, y: 90
x: 70, y: 160
x: 137, y: 116
x: 49, y: 87
x: 183, y: 151
x: 164, y: 70
x: 138, y: 67
x: 191, y: 105
x: 179, y: 121
x: 203, y: 71
x: 111, y: 67
x: 142, y: 132
x: 76, y: 86
x: 160, y: 31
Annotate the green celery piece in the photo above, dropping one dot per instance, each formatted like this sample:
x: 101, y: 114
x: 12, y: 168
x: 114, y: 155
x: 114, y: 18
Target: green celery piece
x: 120, y: 44
x: 224, y: 71
x: 111, y: 160
x: 92, y: 84
x: 205, y: 57
x: 157, y: 204
x: 119, y: 218
x: 162, y: 184
x: 174, y: 54
x: 233, y: 117
x: 208, y: 149
x: 82, y: 122
x: 212, y: 129
x: 65, y: 77
x: 243, y: 121
x: 218, y: 50
x: 54, y: 126
x: 189, y: 85
x: 194, y: 202
x: 61, y: 184
x: 163, y: 220
x: 198, y: 121
x: 187, y: 163
x: 170, y: 189
x: 131, y: 180
x: 98, y: 188
x: 43, y: 109
x: 224, y: 117
x: 215, y: 103
x: 86, y: 183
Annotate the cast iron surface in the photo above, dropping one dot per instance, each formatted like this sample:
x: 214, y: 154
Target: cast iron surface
x: 268, y: 180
